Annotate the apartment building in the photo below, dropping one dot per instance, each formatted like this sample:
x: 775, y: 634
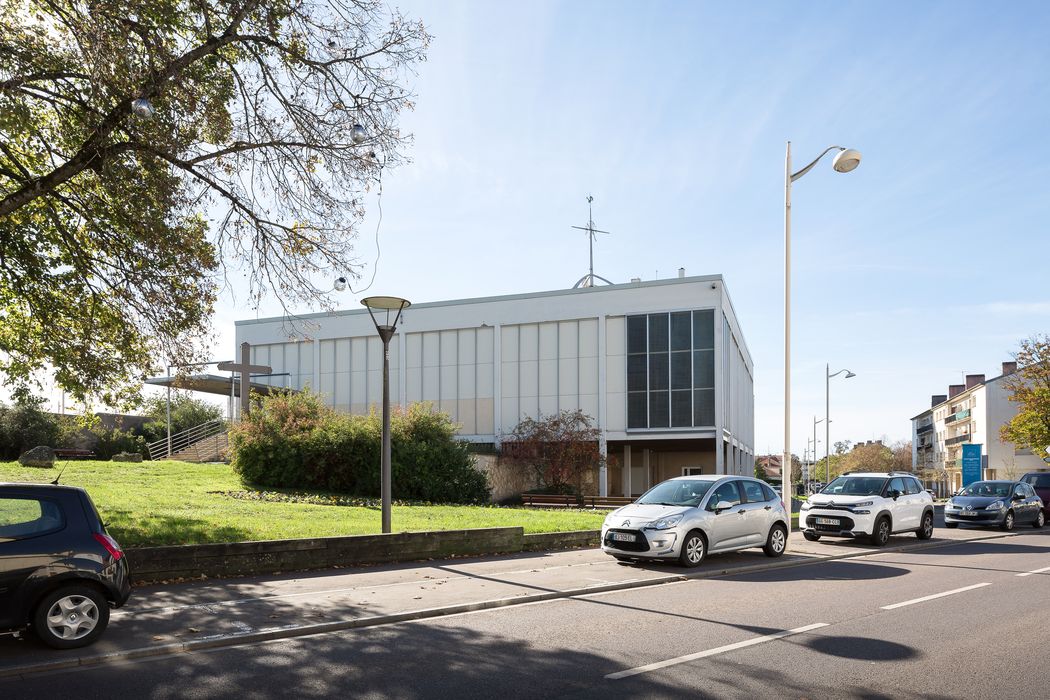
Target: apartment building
x: 970, y: 413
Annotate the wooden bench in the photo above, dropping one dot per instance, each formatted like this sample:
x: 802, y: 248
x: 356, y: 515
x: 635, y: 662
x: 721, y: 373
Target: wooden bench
x: 69, y: 453
x: 550, y: 500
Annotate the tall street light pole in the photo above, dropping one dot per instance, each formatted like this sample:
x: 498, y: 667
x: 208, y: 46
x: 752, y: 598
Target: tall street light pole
x: 846, y: 160
x: 827, y: 412
x: 386, y: 332
x: 815, y: 458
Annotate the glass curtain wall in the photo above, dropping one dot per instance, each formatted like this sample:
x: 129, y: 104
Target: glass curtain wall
x: 671, y: 370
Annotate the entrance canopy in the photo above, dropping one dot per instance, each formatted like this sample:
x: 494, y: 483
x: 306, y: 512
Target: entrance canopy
x: 213, y: 384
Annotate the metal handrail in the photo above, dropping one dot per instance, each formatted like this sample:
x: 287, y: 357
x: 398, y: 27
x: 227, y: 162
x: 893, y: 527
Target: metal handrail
x: 179, y: 441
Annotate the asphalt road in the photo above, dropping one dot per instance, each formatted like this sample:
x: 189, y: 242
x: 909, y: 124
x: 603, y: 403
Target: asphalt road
x: 865, y: 627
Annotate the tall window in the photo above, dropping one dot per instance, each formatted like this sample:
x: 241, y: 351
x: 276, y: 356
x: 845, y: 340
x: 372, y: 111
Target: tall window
x: 671, y: 370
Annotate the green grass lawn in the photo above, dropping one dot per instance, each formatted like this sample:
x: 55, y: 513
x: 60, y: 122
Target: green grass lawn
x: 158, y: 503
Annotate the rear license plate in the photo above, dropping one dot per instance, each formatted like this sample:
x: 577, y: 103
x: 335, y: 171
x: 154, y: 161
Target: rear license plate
x: 826, y: 521
x: 622, y: 537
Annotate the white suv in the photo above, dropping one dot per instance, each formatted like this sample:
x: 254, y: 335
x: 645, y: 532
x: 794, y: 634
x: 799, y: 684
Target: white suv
x: 868, y: 504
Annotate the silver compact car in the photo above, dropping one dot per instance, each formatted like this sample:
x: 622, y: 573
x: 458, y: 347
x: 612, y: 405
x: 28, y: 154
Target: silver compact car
x: 689, y: 517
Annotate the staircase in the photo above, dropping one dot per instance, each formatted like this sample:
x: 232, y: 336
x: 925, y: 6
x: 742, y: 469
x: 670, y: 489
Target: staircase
x: 206, y: 442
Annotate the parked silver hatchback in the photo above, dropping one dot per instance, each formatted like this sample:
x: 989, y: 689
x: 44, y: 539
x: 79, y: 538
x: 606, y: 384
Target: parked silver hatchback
x: 689, y: 517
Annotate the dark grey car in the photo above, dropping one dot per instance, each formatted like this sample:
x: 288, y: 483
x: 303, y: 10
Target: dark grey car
x: 1002, y: 504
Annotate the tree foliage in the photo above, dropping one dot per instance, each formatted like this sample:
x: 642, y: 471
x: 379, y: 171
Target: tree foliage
x: 560, y: 449
x: 186, y: 412
x: 115, y: 228
x: 24, y: 425
x: 1030, y: 390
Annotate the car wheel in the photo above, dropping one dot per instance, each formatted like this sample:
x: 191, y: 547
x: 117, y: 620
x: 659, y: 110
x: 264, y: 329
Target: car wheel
x: 925, y: 530
x: 776, y: 542
x: 1040, y: 520
x: 1008, y: 521
x: 71, y: 617
x: 951, y: 526
x: 694, y: 549
x: 811, y: 536
x: 881, y: 535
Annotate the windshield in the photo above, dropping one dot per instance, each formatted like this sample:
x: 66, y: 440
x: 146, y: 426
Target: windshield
x: 676, y: 493
x: 998, y: 489
x: 855, y: 486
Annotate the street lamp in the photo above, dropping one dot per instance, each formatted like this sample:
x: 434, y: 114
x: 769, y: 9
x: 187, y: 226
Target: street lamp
x: 846, y: 160
x: 815, y: 423
x: 386, y: 332
x: 827, y: 412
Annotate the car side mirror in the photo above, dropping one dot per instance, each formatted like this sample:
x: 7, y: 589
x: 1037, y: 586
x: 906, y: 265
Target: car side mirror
x: 1018, y: 497
x: 723, y: 505
x: 894, y: 494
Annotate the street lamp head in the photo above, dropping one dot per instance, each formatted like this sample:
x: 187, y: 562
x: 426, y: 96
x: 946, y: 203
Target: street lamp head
x: 390, y: 305
x: 358, y: 134
x: 848, y: 159
x: 849, y: 375
x: 141, y: 107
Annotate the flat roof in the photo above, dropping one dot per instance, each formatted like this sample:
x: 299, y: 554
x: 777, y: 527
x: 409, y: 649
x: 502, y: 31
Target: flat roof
x: 212, y: 384
x: 528, y: 295
x: 505, y: 297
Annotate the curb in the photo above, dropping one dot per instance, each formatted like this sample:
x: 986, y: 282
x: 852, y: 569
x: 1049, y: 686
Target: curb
x: 427, y: 613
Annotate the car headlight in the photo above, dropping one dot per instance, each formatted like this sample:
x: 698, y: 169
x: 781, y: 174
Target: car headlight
x: 806, y: 505
x: 863, y: 504
x: 664, y: 523
x: 950, y: 503
x: 998, y: 505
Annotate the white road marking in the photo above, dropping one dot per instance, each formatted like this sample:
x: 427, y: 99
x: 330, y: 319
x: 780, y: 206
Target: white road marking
x: 1037, y: 571
x: 935, y: 595
x: 711, y: 652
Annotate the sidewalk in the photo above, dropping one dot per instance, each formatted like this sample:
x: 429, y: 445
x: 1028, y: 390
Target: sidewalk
x: 165, y: 619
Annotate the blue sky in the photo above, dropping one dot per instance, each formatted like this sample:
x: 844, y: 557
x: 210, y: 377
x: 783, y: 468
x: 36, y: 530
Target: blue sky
x: 929, y: 260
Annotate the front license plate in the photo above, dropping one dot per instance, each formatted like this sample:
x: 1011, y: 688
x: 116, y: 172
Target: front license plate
x: 826, y: 521
x: 964, y: 514
x: 622, y: 537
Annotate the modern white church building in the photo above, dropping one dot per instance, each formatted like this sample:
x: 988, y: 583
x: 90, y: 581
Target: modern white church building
x: 661, y: 366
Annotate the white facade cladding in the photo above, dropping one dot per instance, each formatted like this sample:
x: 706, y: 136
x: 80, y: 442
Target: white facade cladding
x: 662, y: 367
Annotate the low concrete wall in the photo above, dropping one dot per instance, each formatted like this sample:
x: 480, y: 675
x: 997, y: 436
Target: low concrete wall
x: 561, y: 540
x: 151, y: 564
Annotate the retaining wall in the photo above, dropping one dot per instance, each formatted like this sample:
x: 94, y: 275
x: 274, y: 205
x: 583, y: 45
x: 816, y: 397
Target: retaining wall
x: 152, y: 564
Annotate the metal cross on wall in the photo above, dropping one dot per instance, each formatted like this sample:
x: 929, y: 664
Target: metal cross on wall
x: 246, y: 370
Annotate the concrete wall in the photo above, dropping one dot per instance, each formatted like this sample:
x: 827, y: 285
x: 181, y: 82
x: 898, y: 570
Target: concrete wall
x: 506, y: 480
x: 152, y: 564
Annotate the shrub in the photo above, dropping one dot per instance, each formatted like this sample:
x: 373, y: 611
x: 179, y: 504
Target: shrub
x: 23, y: 426
x: 295, y: 441
x: 113, y: 441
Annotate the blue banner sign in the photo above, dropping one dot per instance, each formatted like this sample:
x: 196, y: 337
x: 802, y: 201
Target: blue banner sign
x: 971, y: 464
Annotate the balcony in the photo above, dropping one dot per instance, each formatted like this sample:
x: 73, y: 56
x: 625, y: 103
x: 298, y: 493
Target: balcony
x: 957, y: 439
x: 924, y: 429
x: 957, y: 416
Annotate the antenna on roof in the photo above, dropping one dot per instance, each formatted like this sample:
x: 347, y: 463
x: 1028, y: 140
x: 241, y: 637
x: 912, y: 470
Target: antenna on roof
x: 588, y: 279
x: 55, y: 482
